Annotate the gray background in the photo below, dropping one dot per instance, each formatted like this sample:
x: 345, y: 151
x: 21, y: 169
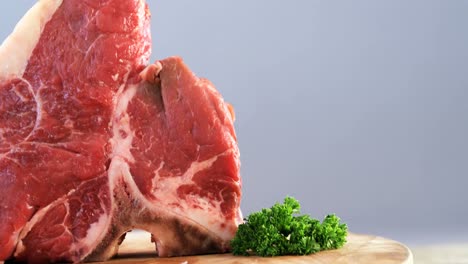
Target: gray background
x: 353, y: 107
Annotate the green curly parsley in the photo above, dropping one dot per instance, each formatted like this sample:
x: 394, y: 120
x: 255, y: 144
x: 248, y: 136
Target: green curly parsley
x: 276, y: 232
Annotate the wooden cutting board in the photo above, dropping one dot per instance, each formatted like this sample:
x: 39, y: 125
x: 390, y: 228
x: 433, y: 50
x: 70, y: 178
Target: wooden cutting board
x: 363, y: 249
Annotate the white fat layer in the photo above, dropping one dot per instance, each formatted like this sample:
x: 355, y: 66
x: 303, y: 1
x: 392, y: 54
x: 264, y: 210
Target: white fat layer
x: 170, y: 184
x: 141, y: 17
x: 205, y: 213
x: 208, y: 218
x: 122, y: 133
x: 115, y: 77
x: 95, y: 234
x: 19, y: 45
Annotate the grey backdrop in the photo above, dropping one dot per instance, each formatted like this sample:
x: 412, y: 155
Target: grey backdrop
x: 353, y: 107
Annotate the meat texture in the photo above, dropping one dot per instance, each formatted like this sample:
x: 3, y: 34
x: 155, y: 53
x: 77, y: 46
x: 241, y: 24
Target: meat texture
x: 95, y: 142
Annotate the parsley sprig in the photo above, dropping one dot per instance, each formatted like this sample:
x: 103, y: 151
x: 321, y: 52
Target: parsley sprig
x: 278, y: 231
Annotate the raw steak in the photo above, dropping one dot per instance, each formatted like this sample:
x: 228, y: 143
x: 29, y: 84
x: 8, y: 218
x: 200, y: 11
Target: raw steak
x: 95, y: 142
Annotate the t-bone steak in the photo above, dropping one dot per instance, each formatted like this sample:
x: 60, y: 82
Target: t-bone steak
x: 95, y: 141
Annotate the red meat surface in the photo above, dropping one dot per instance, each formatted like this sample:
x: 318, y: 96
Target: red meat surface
x: 95, y: 142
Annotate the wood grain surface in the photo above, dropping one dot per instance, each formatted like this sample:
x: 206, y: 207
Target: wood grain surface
x: 364, y: 249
